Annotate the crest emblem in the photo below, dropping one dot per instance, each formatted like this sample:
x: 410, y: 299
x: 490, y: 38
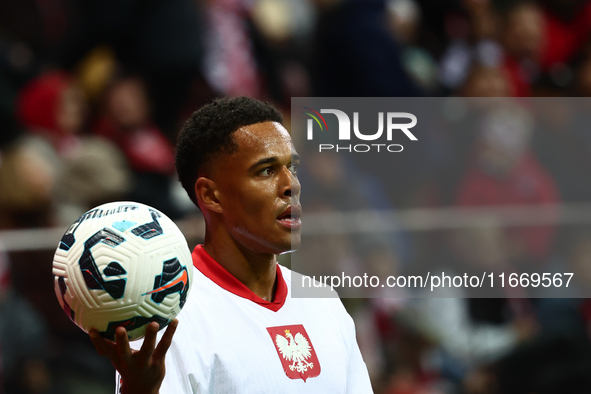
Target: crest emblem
x: 295, y: 351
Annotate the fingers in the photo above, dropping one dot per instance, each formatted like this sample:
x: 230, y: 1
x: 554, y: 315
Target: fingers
x: 149, y: 341
x: 99, y: 342
x: 165, y: 341
x: 120, y: 351
x: 122, y: 343
x: 103, y: 346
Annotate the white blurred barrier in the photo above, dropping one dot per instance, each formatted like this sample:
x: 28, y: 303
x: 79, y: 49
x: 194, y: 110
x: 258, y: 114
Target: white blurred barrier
x: 422, y: 219
x: 355, y: 222
x: 49, y: 238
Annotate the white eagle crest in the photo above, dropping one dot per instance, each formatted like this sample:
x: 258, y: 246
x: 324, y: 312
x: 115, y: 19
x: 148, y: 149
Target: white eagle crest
x: 296, y: 349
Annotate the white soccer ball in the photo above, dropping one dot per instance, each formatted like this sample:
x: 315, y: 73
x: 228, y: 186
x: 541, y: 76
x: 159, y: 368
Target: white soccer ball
x: 122, y: 264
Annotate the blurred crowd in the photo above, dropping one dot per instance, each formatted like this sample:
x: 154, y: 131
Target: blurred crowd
x: 93, y: 92
x: 489, y: 154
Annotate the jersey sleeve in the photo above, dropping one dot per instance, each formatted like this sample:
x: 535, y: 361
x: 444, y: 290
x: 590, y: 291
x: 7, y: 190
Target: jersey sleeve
x: 357, y: 375
x: 358, y: 381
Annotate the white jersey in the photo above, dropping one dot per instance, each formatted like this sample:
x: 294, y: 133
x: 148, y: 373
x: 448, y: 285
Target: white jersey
x: 229, y: 340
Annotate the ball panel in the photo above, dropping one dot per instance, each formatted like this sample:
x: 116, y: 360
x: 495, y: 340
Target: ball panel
x: 135, y: 326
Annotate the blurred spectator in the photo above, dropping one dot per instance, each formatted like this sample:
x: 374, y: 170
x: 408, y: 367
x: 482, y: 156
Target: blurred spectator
x: 523, y: 38
x: 567, y: 26
x: 473, y: 43
x: 161, y: 41
x: 483, y: 81
x: 583, y: 76
x: 94, y: 73
x: 27, y: 179
x: 562, y: 145
x: 39, y: 26
x: 471, y: 333
x: 87, y: 170
x: 92, y: 175
x: 127, y: 122
x: 547, y: 365
x: 505, y: 172
x: 230, y: 65
x: 280, y: 33
x: 579, y: 256
x: 405, y: 19
x: 23, y: 342
x: 335, y: 185
x: 52, y: 107
x: 355, y: 54
x: 535, y: 42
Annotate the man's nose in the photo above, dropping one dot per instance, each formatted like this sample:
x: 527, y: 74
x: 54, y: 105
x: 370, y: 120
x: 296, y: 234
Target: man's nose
x: 292, y: 186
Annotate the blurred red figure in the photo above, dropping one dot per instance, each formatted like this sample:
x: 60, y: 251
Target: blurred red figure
x: 543, y: 37
x: 127, y: 122
x: 567, y: 28
x: 56, y: 165
x: 505, y: 172
x: 524, y: 41
x: 53, y: 107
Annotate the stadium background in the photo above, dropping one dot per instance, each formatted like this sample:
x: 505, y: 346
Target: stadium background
x: 92, y: 94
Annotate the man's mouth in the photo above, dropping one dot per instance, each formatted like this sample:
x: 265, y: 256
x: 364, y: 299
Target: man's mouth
x: 291, y: 217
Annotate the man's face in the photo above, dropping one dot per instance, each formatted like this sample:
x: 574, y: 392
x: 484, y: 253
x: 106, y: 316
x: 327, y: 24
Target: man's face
x: 259, y: 191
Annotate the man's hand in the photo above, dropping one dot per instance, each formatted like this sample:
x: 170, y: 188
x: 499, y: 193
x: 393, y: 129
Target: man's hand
x: 142, y: 371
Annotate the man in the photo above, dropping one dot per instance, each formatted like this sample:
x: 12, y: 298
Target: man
x: 240, y: 331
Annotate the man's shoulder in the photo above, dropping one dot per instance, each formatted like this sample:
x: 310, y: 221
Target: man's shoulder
x: 303, y: 286
x: 318, y: 301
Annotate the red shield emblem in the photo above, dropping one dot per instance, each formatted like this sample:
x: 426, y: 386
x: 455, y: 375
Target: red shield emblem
x: 295, y: 351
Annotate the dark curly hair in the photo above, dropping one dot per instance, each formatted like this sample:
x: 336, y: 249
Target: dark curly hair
x: 210, y: 132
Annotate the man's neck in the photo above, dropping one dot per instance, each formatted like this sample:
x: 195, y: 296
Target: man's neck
x: 258, y: 272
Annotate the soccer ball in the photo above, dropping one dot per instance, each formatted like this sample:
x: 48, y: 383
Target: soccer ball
x: 122, y: 264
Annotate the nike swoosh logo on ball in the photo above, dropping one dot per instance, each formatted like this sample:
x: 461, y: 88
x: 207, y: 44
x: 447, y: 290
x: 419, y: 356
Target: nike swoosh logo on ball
x: 182, y: 278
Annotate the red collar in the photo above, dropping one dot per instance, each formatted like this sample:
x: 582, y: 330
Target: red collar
x: 214, y: 271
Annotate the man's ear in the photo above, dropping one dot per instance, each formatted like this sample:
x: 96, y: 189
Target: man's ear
x: 207, y: 195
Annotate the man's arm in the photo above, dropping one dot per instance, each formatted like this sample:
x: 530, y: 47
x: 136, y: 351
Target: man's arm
x: 142, y: 371
x: 358, y: 381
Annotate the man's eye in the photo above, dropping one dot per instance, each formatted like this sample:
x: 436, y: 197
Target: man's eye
x: 266, y: 171
x: 294, y: 168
